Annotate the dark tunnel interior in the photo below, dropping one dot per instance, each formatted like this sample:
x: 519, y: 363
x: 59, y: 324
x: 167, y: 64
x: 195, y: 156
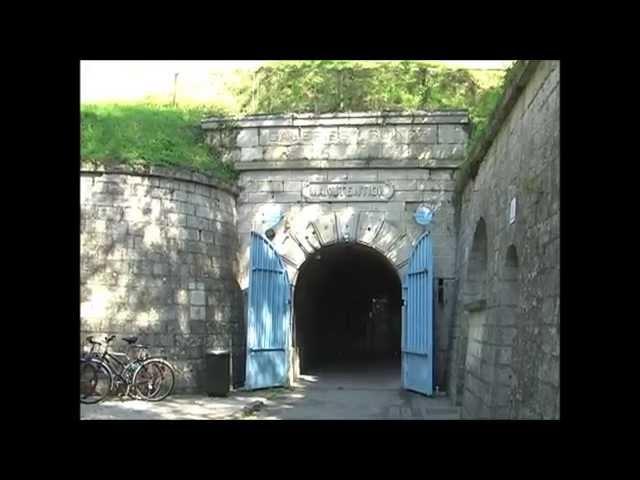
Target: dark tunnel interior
x: 347, y: 309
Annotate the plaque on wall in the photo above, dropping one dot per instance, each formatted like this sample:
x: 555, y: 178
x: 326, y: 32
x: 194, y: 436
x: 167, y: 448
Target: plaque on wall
x: 512, y: 211
x: 347, y: 191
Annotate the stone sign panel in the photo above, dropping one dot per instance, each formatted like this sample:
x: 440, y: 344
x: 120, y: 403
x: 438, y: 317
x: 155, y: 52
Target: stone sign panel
x: 347, y: 191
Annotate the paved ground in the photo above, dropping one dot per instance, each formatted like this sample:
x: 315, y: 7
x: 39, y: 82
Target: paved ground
x: 179, y: 407
x: 355, y: 394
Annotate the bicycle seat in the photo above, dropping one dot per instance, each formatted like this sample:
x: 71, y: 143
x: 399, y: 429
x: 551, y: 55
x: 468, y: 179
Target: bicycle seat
x: 130, y: 340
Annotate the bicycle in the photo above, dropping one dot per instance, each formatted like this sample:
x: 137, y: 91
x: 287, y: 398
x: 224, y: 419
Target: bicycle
x: 141, y: 378
x: 93, y: 373
x: 152, y: 374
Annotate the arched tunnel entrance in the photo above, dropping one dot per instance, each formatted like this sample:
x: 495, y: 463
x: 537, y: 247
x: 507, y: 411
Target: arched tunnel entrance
x: 347, y: 312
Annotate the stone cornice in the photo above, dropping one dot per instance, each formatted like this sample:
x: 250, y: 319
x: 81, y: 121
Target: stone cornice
x: 457, y: 117
x: 162, y: 172
x: 345, y: 164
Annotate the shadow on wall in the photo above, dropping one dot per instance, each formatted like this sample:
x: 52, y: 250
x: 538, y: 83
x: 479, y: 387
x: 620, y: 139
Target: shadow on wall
x: 140, y: 275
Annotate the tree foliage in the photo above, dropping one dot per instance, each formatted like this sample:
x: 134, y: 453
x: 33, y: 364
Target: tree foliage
x: 343, y: 86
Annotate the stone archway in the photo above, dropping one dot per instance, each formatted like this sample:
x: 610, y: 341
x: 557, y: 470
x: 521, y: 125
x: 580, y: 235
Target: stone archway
x: 505, y: 388
x: 347, y: 311
x: 305, y: 231
x: 478, y: 364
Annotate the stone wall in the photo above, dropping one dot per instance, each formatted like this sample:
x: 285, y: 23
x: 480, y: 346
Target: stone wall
x: 420, y: 138
x: 506, y: 360
x: 414, y: 155
x: 157, y: 261
x: 165, y: 253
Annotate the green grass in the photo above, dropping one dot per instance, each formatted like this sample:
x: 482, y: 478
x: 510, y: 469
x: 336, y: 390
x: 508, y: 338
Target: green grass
x: 156, y: 134
x: 146, y: 134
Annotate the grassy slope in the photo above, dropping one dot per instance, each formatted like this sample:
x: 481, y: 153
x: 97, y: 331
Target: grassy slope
x: 147, y: 134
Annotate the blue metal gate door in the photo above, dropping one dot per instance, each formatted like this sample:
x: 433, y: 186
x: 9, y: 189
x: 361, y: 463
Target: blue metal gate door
x: 417, y: 320
x: 268, y: 313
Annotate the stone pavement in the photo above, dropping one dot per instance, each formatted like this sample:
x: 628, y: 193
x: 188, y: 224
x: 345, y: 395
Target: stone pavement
x: 176, y: 407
x: 346, y: 395
x: 353, y: 395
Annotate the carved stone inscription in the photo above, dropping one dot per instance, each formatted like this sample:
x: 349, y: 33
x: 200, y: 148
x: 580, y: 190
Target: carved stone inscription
x: 347, y: 191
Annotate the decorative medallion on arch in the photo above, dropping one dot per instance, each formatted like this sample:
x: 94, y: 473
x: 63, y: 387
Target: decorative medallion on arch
x: 306, y: 231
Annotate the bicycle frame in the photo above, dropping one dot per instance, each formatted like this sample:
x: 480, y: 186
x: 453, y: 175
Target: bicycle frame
x: 117, y: 368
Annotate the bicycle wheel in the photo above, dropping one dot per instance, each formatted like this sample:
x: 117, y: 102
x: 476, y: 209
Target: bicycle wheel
x: 95, y: 381
x: 128, y: 373
x: 154, y: 380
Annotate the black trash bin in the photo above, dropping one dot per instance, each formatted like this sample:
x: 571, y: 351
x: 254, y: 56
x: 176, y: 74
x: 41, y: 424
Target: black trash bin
x: 217, y: 373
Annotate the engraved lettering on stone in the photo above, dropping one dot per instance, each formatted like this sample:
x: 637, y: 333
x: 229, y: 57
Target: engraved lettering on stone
x: 351, y: 191
x: 307, y: 135
x: 373, y: 134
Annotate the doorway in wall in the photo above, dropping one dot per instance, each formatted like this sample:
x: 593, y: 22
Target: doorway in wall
x: 347, y: 315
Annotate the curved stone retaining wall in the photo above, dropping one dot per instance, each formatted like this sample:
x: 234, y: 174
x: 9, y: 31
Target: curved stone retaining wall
x: 157, y: 261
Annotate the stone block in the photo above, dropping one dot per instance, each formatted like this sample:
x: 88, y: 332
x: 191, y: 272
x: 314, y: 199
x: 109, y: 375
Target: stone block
x: 197, y: 297
x: 266, y: 186
x: 258, y: 197
x: 197, y: 313
x: 404, y: 184
x: 319, y: 135
x: 198, y: 223
x: 287, y: 197
x: 393, y: 135
x: 160, y: 269
x: 352, y: 175
x: 422, y: 134
x: 347, y: 135
x: 503, y: 356
x: 231, y: 155
x: 368, y: 226
x: 370, y: 135
x: 206, y: 236
x: 280, y: 153
x: 294, y: 186
x: 505, y: 335
x: 503, y: 375
x: 251, y: 154
x: 197, y: 327
x: 451, y: 134
x: 181, y: 296
x: 301, y: 152
x: 203, y: 211
x: 422, y: 152
x: 344, y: 152
x: 279, y: 136
x: 248, y: 137
x: 185, y: 208
x: 395, y: 151
x: 408, y: 196
x: 180, y: 195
